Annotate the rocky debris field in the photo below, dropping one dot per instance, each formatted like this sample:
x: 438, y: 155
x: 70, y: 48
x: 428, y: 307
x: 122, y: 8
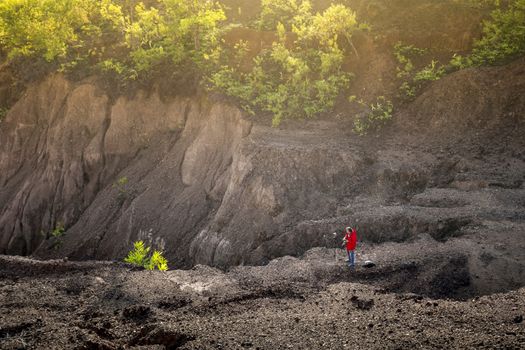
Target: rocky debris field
x: 419, y: 295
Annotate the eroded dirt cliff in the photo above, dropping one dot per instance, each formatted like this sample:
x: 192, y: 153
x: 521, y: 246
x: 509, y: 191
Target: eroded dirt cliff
x: 210, y: 186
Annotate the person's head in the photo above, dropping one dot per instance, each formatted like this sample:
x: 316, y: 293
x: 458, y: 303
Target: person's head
x: 348, y: 229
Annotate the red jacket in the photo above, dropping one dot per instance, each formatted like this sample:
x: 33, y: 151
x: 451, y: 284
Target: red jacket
x: 351, y: 240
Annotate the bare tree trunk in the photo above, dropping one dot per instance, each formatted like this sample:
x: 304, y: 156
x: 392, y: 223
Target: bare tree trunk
x: 352, y: 45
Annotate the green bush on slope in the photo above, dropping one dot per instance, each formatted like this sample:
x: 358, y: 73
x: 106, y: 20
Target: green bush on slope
x: 140, y: 256
x: 503, y: 37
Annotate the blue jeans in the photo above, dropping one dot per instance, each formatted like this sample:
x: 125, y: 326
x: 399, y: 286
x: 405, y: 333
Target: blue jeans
x: 351, y: 258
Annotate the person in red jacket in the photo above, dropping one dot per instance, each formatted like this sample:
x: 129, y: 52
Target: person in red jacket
x: 350, y: 241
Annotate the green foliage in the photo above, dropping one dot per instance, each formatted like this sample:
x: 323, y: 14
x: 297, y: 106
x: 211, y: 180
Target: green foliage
x: 376, y: 116
x: 287, y: 12
x: 144, y: 38
x: 459, y: 62
x: 158, y: 262
x: 68, y: 31
x: 121, y: 182
x: 45, y: 27
x: 337, y: 21
x: 57, y: 234
x: 298, y: 77
x: 411, y: 75
x: 480, y: 3
x: 177, y: 33
x: 58, y: 231
x: 182, y: 31
x: 430, y: 72
x: 120, y: 185
x: 3, y: 113
x: 405, y: 70
x: 140, y: 256
x: 503, y: 37
x: 407, y: 90
x: 404, y: 55
x: 292, y: 79
x: 129, y: 40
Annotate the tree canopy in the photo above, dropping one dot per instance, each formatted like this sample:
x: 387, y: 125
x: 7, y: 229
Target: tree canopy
x: 299, y: 75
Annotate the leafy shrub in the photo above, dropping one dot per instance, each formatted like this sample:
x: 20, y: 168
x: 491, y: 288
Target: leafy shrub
x: 120, y: 185
x: 140, y: 256
x: 3, y: 113
x: 503, y: 37
x: 480, y: 3
x: 58, y: 231
x: 430, y: 72
x: 460, y: 62
x: 405, y: 70
x: 287, y: 12
x: 404, y: 55
x: 376, y: 116
x: 56, y: 236
x: 411, y: 76
x: 298, y: 77
x: 157, y: 261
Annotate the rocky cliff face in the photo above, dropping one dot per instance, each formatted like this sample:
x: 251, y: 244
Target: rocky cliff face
x: 209, y: 186
x: 65, y: 146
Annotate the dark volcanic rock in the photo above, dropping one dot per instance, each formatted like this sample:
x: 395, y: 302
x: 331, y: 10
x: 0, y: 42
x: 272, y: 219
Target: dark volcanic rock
x: 137, y: 312
x: 233, y: 309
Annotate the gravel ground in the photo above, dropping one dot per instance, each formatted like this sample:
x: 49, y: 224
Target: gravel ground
x: 314, y: 302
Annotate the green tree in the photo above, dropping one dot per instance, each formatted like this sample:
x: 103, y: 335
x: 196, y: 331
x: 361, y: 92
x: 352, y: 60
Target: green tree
x: 503, y: 37
x: 145, y: 36
x: 297, y: 78
x: 287, y: 12
x: 412, y: 77
x: 193, y: 28
x: 128, y: 38
x: 337, y: 21
x: 45, y: 27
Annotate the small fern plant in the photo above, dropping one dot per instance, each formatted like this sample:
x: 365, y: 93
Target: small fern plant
x: 140, y: 256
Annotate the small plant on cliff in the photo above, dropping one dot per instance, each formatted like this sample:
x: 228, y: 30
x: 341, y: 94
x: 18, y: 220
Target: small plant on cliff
x: 58, y: 231
x: 376, y: 116
x: 120, y: 185
x: 411, y: 76
x: 140, y: 256
x: 433, y: 71
x: 57, y: 234
x: 3, y: 113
